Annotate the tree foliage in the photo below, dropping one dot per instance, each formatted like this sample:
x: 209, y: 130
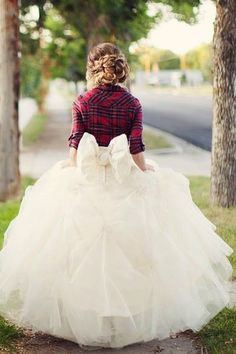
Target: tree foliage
x: 64, y: 30
x: 120, y: 21
x: 150, y: 58
x: 168, y: 60
x: 66, y: 48
x: 184, y: 10
x: 201, y: 58
x: 32, y: 19
x: 30, y: 70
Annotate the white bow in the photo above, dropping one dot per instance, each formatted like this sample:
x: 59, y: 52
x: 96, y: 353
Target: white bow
x: 116, y: 154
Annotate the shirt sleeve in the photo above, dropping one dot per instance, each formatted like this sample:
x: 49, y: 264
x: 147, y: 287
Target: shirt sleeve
x: 77, y: 127
x: 136, y: 144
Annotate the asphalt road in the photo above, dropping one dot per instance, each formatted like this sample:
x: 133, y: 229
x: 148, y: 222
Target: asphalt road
x: 186, y: 116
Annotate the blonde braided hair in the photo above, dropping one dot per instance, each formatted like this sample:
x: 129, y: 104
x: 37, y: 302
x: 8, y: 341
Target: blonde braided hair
x: 106, y: 65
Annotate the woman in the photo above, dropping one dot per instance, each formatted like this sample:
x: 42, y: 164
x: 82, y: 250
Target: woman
x: 108, y: 249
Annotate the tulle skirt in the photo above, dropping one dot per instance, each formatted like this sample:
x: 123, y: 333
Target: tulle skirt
x: 106, y: 254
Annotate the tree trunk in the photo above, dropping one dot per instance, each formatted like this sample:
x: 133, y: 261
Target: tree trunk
x: 9, y: 95
x: 223, y: 173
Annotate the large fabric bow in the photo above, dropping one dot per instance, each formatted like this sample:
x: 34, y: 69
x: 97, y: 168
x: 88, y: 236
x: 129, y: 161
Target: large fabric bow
x: 90, y: 155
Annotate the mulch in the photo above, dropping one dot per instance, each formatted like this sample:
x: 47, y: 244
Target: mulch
x: 41, y: 343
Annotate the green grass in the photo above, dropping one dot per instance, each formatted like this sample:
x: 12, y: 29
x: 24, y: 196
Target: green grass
x: 8, y: 334
x: 154, y: 141
x: 224, y: 219
x: 219, y: 336
x: 9, y: 209
x: 7, y: 212
x: 34, y: 129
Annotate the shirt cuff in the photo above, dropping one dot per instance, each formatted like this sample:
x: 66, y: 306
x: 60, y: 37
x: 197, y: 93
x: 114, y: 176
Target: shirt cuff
x: 136, y: 145
x: 74, y: 139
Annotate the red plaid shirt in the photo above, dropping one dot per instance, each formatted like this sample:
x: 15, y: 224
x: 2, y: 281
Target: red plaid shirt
x: 105, y: 112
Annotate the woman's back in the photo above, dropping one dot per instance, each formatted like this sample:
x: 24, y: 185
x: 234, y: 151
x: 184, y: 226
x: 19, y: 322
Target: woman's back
x: 107, y: 111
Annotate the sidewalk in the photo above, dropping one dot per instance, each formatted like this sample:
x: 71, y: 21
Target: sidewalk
x: 52, y: 146
x: 27, y: 108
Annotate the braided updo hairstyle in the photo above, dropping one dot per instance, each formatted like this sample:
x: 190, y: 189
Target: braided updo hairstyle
x: 106, y: 65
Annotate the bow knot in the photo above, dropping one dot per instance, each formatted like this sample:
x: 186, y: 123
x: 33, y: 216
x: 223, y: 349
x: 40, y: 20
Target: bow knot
x: 104, y: 158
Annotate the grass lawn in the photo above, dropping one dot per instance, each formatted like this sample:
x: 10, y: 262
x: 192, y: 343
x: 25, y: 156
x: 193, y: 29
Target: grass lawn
x: 224, y: 219
x: 154, y: 141
x: 34, y: 129
x: 219, y: 336
x: 10, y: 209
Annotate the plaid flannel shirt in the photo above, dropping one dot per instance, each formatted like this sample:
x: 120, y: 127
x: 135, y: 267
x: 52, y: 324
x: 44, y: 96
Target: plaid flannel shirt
x: 105, y: 112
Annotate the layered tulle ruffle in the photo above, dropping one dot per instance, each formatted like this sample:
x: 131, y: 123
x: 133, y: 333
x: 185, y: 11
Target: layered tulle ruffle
x: 103, y: 256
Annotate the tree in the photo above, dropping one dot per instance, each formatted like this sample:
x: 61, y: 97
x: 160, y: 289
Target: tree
x: 168, y: 60
x: 32, y: 49
x: 223, y: 175
x: 80, y: 24
x: 32, y: 19
x: 150, y: 58
x: 120, y: 21
x: 9, y: 93
x: 184, y: 10
x: 66, y: 49
x: 30, y: 71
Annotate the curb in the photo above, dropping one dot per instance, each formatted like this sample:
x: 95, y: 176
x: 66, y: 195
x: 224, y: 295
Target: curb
x: 179, y: 145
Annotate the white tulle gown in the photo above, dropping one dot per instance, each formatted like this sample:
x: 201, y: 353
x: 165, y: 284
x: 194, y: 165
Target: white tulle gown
x: 106, y: 254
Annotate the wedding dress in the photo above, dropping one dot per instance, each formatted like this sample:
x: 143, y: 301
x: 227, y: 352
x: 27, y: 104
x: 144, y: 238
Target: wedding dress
x: 106, y: 254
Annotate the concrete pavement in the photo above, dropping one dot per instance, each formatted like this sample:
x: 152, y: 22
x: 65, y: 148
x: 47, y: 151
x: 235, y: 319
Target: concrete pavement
x: 27, y: 108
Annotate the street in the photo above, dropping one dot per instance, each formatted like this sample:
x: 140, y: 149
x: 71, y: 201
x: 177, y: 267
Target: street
x: 186, y: 116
